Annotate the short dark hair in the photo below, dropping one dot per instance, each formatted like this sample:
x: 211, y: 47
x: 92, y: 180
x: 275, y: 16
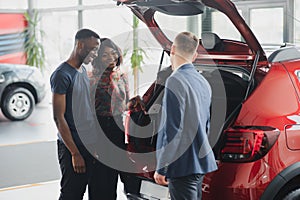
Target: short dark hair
x: 85, y: 33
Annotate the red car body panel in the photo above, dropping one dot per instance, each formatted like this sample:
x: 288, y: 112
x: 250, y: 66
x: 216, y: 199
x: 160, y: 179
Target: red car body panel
x: 236, y: 181
x: 278, y: 108
x: 244, y: 181
x: 273, y: 107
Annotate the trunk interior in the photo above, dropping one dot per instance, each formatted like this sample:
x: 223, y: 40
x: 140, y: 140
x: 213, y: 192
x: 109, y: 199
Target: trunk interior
x: 229, y: 86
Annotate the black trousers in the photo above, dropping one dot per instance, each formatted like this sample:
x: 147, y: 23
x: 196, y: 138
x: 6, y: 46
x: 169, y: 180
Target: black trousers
x: 186, y: 188
x: 73, y: 185
x: 113, y: 129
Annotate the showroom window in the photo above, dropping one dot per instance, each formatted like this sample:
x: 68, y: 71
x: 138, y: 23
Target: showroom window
x: 108, y: 24
x: 271, y: 21
x: 54, y: 3
x: 59, y: 31
x: 166, y: 23
x: 60, y: 20
x: 223, y: 27
x: 267, y: 25
x: 95, y: 2
x: 13, y: 4
x: 297, y: 22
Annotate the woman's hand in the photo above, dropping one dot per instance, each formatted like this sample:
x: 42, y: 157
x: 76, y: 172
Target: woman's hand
x: 136, y: 104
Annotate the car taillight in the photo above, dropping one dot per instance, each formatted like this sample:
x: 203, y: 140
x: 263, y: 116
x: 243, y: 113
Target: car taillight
x: 247, y: 144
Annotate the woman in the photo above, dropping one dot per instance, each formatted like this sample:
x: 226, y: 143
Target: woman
x: 110, y: 87
x: 111, y: 90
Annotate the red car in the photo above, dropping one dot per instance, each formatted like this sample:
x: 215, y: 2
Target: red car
x: 255, y: 115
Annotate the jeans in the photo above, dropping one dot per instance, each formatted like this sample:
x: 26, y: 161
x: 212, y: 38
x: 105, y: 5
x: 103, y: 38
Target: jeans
x: 73, y: 185
x: 186, y: 188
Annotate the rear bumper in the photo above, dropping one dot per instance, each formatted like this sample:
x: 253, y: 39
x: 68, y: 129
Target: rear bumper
x: 237, y: 181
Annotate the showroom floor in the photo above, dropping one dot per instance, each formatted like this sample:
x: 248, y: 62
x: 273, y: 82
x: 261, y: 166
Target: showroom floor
x: 29, y: 168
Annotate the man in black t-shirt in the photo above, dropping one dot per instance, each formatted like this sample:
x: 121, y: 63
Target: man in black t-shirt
x: 74, y: 119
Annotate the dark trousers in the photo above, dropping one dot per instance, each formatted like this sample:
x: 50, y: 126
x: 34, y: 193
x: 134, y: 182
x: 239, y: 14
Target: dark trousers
x: 186, y: 188
x: 109, y: 180
x: 113, y: 129
x: 73, y: 185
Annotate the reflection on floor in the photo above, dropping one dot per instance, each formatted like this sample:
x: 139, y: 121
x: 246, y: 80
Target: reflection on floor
x: 46, y: 191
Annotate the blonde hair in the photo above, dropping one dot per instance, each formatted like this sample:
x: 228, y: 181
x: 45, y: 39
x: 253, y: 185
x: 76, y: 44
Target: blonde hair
x: 186, y: 43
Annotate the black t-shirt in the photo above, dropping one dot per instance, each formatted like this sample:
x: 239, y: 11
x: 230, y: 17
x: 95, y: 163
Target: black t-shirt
x: 79, y: 113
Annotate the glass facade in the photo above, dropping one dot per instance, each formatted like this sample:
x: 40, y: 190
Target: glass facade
x: 54, y: 3
x: 223, y: 27
x: 166, y: 23
x: 267, y: 25
x: 212, y: 21
x: 108, y: 22
x: 61, y: 19
x: 297, y: 22
x: 59, y: 32
x: 13, y: 4
x: 95, y: 2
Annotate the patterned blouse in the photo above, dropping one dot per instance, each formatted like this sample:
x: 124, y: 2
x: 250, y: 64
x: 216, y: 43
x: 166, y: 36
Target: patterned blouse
x: 111, y: 92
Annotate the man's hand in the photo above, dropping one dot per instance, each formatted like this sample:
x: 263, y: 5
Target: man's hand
x: 78, y: 163
x: 160, y: 179
x: 59, y: 108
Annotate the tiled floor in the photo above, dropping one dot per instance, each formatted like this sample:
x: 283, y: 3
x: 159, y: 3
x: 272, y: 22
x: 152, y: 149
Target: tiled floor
x: 44, y: 191
x: 28, y: 156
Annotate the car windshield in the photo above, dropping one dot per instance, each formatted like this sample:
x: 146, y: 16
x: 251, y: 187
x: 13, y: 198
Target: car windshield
x: 210, y: 21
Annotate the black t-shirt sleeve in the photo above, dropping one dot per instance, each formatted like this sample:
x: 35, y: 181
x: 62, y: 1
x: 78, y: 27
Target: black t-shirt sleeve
x: 60, y: 82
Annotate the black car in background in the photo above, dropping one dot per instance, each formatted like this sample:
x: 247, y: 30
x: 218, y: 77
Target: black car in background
x: 21, y: 87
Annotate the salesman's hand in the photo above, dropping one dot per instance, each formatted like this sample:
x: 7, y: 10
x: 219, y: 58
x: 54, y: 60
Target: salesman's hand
x: 78, y: 163
x: 160, y: 179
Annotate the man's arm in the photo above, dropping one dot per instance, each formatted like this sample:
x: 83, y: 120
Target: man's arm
x: 59, y: 107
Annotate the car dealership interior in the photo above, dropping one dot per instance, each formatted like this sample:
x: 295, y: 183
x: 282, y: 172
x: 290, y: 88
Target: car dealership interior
x: 275, y: 23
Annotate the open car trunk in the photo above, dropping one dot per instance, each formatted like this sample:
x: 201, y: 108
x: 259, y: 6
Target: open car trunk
x: 233, y: 68
x: 229, y: 88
